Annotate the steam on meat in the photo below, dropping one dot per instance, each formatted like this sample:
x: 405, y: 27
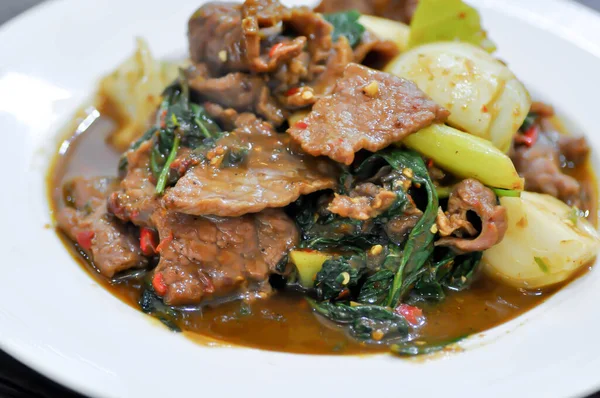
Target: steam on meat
x: 400, y: 10
x: 211, y: 257
x: 269, y: 173
x: 454, y: 226
x: 109, y: 243
x: 367, y: 110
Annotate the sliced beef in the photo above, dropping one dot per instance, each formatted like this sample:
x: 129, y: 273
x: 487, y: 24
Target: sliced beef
x: 540, y: 165
x: 365, y: 201
x: 205, y: 258
x: 265, y: 172
x: 234, y: 90
x: 135, y: 200
x: 109, y: 244
x: 367, y: 110
x: 455, y: 228
x: 575, y: 150
x: 373, y: 52
x: 400, y: 10
x: 248, y: 37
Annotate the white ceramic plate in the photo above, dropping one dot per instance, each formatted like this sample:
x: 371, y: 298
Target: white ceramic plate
x: 54, y: 318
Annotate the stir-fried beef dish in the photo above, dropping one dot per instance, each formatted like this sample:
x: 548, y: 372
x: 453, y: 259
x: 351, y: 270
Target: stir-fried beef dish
x: 302, y: 185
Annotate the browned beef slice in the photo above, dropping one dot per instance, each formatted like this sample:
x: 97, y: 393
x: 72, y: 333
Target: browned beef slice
x: 373, y: 52
x: 234, y: 90
x: 574, y: 149
x: 365, y: 201
x: 231, y: 37
x: 135, y: 200
x: 211, y: 257
x: 271, y: 174
x: 367, y: 110
x: 540, y: 165
x: 471, y: 195
x: 400, y: 10
x: 112, y: 248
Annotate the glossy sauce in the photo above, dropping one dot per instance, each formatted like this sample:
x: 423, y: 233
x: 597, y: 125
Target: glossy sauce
x: 284, y: 322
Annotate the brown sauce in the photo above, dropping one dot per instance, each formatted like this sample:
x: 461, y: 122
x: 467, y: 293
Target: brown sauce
x: 284, y: 321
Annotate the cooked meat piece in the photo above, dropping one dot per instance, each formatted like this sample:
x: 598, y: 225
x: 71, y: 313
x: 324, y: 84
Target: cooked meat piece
x: 270, y: 109
x: 471, y: 196
x: 365, y: 201
x: 210, y: 257
x: 111, y: 247
x: 398, y: 228
x: 540, y: 166
x: 230, y: 37
x: 575, y: 150
x: 234, y: 90
x: 135, y: 201
x: 400, y: 10
x: 373, y: 52
x: 267, y: 173
x: 542, y: 109
x: 367, y: 110
x: 340, y: 57
x: 215, y: 38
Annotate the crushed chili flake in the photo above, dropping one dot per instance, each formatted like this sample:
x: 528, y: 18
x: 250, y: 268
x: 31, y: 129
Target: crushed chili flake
x: 484, y: 109
x: 84, y: 239
x: 462, y: 15
x: 301, y: 125
x: 159, y: 285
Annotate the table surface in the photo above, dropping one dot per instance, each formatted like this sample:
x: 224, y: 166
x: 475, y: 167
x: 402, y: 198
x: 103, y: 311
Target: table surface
x: 17, y: 380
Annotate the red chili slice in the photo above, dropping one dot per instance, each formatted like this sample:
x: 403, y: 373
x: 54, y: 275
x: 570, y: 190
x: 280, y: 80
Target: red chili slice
x: 84, y: 239
x: 274, y: 49
x: 529, y: 137
x: 163, y: 243
x: 413, y: 315
x: 148, y: 241
x: 159, y: 285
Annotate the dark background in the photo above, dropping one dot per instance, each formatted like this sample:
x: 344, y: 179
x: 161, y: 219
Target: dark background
x: 16, y: 380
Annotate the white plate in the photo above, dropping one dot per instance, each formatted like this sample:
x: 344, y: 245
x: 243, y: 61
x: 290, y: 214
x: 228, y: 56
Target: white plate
x: 54, y: 318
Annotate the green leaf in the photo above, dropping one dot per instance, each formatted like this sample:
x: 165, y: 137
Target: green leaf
x: 364, y: 320
x: 447, y: 20
x: 338, y: 274
x: 419, y: 245
x: 153, y: 305
x: 346, y: 24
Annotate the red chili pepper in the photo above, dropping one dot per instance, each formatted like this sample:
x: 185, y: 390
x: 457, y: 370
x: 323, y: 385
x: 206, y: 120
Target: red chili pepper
x: 159, y: 285
x: 84, y: 239
x: 292, y: 91
x: 163, y: 243
x: 148, y: 241
x: 529, y: 137
x: 413, y: 315
x: 301, y: 125
x: 430, y: 163
x: 274, y: 49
